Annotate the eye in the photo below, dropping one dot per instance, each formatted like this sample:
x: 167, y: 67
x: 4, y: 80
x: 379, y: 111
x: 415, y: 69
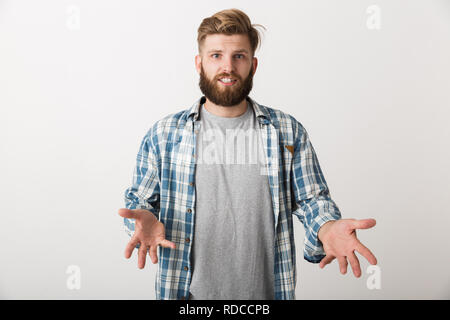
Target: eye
x: 237, y: 55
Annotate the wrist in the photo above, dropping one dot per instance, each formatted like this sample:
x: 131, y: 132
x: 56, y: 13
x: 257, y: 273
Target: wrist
x: 321, y: 234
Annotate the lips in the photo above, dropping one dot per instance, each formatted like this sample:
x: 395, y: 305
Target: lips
x: 228, y: 83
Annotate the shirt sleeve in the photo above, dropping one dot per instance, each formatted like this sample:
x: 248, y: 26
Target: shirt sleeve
x: 144, y: 192
x: 313, y: 204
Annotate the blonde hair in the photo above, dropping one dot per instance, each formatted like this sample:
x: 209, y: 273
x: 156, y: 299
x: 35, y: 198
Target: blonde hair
x: 229, y: 22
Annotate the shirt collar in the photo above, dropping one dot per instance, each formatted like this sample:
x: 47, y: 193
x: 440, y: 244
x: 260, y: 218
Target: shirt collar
x: 261, y: 112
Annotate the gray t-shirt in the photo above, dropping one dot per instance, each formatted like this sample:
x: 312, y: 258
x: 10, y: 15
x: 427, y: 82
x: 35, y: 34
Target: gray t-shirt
x: 233, y: 245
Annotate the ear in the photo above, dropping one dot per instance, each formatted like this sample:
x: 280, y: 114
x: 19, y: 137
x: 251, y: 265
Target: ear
x: 255, y: 64
x: 198, y: 61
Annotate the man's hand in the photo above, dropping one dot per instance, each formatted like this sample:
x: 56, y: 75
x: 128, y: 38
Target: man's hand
x: 149, y: 232
x: 339, y: 241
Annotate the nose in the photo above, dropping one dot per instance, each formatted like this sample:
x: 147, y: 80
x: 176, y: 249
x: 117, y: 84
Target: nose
x: 228, y: 65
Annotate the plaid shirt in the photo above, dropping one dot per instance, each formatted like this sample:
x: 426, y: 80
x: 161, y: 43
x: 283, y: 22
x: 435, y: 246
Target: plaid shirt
x: 163, y: 183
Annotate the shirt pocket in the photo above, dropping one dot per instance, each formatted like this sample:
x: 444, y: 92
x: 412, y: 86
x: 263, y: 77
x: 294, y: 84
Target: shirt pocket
x: 170, y: 149
x: 173, y: 144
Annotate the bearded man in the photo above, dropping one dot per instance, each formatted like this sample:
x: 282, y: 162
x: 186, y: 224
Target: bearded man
x: 216, y: 186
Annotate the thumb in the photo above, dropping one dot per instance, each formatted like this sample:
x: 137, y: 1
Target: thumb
x: 127, y: 213
x: 364, y: 223
x: 167, y: 244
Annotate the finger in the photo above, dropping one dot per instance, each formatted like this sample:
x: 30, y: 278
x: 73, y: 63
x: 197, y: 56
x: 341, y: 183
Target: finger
x: 153, y: 254
x: 167, y: 244
x: 354, y: 262
x: 326, y: 261
x: 141, y: 256
x: 366, y: 253
x: 364, y: 223
x: 127, y: 213
x: 130, y: 247
x: 343, y: 264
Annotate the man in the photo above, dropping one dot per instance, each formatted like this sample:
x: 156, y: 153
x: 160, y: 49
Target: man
x: 223, y: 226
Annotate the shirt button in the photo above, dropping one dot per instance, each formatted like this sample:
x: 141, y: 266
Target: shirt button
x: 189, y: 210
x: 188, y: 240
x: 186, y: 268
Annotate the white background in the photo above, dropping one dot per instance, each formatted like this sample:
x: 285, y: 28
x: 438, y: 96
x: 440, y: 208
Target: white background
x: 76, y: 100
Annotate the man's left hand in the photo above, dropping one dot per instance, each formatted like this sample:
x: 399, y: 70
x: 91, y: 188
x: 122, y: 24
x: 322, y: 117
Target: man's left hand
x: 339, y: 241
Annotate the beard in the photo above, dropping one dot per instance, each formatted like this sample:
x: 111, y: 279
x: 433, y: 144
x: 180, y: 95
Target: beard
x: 226, y: 96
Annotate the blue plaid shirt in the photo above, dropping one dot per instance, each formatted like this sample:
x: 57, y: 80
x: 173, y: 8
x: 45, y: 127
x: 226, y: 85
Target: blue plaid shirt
x: 163, y: 183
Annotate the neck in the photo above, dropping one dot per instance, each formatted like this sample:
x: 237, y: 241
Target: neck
x: 226, y: 112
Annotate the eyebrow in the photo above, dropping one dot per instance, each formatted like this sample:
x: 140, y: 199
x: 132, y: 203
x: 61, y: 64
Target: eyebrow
x: 217, y: 50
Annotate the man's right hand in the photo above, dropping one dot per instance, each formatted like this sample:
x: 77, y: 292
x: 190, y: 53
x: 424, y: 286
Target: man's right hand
x: 148, y: 231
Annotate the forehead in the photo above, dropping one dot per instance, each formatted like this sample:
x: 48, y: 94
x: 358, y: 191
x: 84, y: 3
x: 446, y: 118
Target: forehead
x: 226, y: 42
